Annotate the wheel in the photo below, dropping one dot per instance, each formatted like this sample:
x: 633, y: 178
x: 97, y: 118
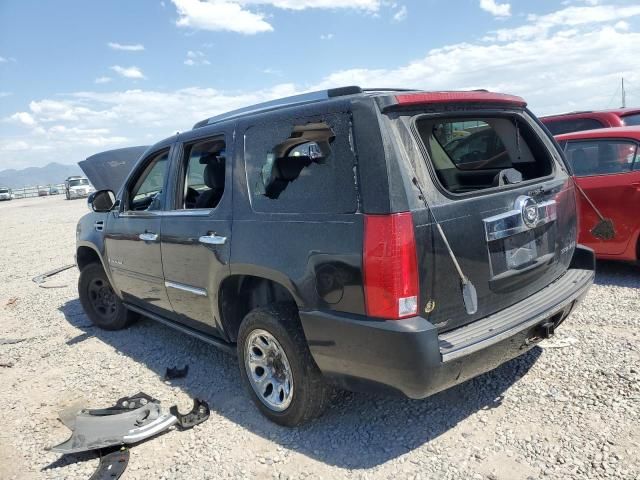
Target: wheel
x: 99, y: 301
x: 277, y: 368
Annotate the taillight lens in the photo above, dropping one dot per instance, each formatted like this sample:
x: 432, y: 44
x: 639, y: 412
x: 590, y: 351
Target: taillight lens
x: 390, y: 266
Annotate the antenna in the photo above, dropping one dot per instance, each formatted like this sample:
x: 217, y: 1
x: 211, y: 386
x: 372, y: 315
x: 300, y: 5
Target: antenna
x: 624, y: 95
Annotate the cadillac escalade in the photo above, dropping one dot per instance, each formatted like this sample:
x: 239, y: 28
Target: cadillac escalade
x: 373, y: 240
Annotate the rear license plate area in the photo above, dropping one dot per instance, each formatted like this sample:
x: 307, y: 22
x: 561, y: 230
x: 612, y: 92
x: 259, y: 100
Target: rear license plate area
x: 520, y: 252
x: 516, y: 252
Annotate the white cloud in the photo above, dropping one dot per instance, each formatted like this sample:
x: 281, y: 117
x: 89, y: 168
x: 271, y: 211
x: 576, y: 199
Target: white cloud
x: 196, y: 58
x: 101, y: 80
x: 219, y: 15
x: 5, y: 94
x: 128, y: 72
x: 496, y: 9
x: 13, y: 146
x: 401, y: 14
x: 3, y: 60
x: 24, y: 118
x: 542, y: 25
x: 234, y: 15
x: 327, y: 36
x: 127, y: 48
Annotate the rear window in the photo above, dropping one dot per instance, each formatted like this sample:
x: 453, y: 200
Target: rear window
x: 631, y: 120
x: 470, y: 154
x: 558, y: 127
x: 601, y: 157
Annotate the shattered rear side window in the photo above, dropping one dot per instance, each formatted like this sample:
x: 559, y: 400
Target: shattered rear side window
x: 305, y: 165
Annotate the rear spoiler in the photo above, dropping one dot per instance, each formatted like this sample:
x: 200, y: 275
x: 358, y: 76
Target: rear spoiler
x: 392, y: 102
x: 109, y: 170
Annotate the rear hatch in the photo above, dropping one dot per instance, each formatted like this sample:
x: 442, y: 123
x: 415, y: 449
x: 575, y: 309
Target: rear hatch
x: 497, y: 185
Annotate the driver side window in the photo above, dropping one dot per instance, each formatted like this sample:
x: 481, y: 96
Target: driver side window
x: 146, y: 193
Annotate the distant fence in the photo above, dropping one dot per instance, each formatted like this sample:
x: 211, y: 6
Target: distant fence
x: 27, y: 192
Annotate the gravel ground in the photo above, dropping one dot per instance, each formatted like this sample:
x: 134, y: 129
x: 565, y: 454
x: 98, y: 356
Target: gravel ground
x: 570, y: 408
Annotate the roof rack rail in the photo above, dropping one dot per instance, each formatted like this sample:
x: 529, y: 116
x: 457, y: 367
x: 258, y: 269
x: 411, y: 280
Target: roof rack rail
x: 282, y: 102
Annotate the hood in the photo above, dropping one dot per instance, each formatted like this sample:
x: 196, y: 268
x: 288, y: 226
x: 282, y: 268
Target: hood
x: 108, y: 170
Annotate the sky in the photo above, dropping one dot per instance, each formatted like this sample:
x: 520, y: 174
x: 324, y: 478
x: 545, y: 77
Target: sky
x: 78, y: 77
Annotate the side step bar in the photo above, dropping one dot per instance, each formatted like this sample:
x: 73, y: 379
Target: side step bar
x: 229, y: 348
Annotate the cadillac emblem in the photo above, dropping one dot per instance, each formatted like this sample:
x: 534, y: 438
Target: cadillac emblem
x: 529, y: 209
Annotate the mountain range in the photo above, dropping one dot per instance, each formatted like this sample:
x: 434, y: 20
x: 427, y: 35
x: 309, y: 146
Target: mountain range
x: 53, y: 173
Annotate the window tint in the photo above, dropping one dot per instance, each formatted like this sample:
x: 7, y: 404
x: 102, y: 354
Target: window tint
x: 204, y: 174
x: 558, y: 127
x: 302, y: 165
x: 600, y: 157
x: 478, y: 153
x: 146, y: 193
x: 632, y: 120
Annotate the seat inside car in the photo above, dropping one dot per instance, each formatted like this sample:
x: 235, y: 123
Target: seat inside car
x: 213, y: 179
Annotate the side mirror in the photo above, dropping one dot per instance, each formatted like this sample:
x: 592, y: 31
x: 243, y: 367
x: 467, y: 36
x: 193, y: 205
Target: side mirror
x: 101, y: 201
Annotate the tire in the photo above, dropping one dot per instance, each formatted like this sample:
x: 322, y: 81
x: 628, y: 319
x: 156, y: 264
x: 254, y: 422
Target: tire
x: 101, y: 304
x: 309, y: 393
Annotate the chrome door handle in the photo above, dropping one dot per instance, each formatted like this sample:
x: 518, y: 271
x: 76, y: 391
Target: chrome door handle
x: 148, y: 237
x: 212, y: 239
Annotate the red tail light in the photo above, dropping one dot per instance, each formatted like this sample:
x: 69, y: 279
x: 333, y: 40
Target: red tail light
x: 390, y: 266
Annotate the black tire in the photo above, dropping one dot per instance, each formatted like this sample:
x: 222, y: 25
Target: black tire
x: 310, y: 392
x: 101, y: 304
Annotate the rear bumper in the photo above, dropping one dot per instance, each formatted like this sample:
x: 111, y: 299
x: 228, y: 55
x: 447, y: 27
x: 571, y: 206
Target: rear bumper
x: 409, y: 356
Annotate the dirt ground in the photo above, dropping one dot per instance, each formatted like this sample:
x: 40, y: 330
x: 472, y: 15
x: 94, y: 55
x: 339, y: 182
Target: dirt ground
x: 570, y: 408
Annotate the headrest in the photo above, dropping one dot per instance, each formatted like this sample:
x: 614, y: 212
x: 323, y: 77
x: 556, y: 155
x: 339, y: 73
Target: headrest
x: 214, y: 175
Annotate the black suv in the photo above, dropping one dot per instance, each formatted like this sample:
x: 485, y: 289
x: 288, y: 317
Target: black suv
x: 381, y: 240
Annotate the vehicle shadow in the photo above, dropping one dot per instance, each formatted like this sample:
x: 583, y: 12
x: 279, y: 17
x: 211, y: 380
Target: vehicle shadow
x: 358, y: 431
x: 617, y: 274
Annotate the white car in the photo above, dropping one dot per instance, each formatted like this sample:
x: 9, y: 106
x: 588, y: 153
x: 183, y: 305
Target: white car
x: 5, y: 194
x: 78, y: 187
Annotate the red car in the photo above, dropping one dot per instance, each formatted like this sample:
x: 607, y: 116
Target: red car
x: 579, y: 121
x: 606, y: 164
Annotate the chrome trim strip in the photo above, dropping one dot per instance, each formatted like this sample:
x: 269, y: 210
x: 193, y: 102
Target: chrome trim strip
x: 186, y: 288
x: 511, y: 222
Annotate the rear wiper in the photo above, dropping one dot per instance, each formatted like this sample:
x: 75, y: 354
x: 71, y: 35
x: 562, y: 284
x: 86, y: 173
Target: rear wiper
x: 469, y: 294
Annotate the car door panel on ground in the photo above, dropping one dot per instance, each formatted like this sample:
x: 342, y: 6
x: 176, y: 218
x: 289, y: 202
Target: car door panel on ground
x: 196, y: 231
x: 132, y: 237
x: 608, y: 170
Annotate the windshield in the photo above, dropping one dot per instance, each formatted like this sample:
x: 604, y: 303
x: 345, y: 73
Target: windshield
x: 77, y: 182
x: 4, y: 190
x: 631, y: 120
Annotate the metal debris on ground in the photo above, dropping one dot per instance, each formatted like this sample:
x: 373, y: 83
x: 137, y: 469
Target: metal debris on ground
x: 132, y: 420
x: 113, y: 463
x: 175, y: 372
x: 40, y: 279
x: 12, y: 341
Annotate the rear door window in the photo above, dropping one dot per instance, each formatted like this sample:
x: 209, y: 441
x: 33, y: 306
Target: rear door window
x: 302, y: 165
x: 601, y: 157
x: 471, y: 154
x: 558, y: 127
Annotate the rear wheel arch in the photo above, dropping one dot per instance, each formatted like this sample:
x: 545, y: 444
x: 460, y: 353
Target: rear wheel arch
x: 240, y: 294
